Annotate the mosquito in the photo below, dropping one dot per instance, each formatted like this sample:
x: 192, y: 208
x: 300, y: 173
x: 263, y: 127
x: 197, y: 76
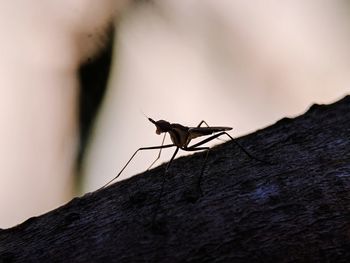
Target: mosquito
x: 181, y: 136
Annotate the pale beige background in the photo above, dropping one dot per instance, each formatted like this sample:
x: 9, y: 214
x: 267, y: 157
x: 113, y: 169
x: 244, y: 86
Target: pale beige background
x: 238, y: 63
x: 41, y: 46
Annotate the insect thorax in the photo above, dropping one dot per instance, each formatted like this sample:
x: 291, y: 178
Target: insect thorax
x: 179, y: 135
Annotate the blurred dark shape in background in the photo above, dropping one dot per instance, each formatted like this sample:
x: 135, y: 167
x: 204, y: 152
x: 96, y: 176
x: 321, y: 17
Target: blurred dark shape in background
x: 93, y: 78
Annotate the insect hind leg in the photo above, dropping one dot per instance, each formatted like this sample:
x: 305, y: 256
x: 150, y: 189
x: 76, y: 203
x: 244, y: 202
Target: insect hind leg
x: 232, y: 139
x: 206, y: 124
x: 200, y: 124
x: 244, y: 150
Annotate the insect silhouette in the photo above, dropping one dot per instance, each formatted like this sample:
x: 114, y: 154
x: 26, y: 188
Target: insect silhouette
x: 181, y: 136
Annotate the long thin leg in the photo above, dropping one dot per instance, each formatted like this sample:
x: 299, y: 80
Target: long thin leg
x: 160, y: 152
x: 235, y: 141
x: 140, y: 149
x: 196, y: 148
x: 162, y: 186
x: 245, y: 151
x: 207, y: 149
x: 205, y: 141
x: 200, y: 124
x: 203, y: 121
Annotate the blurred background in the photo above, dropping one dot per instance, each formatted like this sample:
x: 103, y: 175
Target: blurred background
x: 77, y: 78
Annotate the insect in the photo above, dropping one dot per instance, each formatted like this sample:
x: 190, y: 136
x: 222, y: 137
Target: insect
x: 181, y: 136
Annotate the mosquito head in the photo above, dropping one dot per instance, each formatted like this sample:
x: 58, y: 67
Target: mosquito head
x: 162, y: 126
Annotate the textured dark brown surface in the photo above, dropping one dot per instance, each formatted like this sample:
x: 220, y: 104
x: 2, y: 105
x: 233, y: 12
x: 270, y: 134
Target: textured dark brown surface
x: 296, y: 210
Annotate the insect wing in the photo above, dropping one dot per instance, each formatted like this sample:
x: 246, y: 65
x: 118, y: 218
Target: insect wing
x: 202, y: 131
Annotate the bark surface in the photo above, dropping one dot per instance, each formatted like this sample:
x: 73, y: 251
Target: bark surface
x: 296, y: 209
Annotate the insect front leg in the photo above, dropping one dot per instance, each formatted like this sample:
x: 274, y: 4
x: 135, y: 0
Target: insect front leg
x: 159, y: 153
x: 140, y: 149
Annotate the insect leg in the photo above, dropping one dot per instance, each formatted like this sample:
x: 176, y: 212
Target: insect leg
x: 203, y: 121
x: 234, y: 140
x: 160, y: 152
x: 162, y: 186
x: 140, y: 149
x: 207, y: 149
x: 200, y: 124
x: 245, y: 151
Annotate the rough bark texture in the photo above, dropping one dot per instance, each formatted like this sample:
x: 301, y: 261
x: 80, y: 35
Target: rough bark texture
x: 295, y: 210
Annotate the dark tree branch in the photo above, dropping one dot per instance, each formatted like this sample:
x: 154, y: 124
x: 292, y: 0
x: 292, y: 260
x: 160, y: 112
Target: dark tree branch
x: 296, y: 210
